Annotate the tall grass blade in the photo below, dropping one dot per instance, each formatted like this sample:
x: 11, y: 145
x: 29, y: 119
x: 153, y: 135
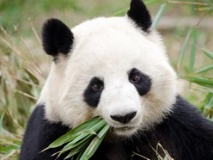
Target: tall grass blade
x: 121, y: 12
x: 207, y: 82
x: 158, y: 15
x: 183, y: 50
x: 193, y: 49
x: 209, y: 105
x: 208, y: 53
x: 204, y: 69
x: 147, y: 2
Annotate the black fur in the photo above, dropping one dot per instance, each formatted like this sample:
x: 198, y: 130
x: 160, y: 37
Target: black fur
x: 185, y: 134
x: 39, y: 134
x: 140, y: 15
x: 92, y: 95
x: 143, y: 86
x: 56, y: 37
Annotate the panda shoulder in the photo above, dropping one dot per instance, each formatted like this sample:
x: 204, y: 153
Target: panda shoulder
x: 187, y: 116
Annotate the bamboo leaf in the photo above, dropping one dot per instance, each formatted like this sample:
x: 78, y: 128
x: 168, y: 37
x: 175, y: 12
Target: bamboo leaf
x: 73, y: 146
x: 208, y: 53
x: 91, y: 149
x: 209, y: 105
x: 93, y: 146
x: 121, y: 12
x: 151, y: 2
x: 207, y: 82
x: 193, y: 49
x: 158, y: 15
x: 103, y: 131
x: 72, y: 134
x: 78, y: 149
x: 79, y: 141
x: 204, y: 69
x: 205, y: 9
x: 183, y: 50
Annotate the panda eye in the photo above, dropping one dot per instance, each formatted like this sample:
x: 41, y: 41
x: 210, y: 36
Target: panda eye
x: 93, y: 91
x: 135, y: 77
x: 97, y: 87
x: 141, y: 81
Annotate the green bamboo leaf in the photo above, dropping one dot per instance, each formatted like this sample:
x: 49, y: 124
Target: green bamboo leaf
x: 193, y: 49
x: 205, y: 9
x: 183, y: 50
x: 208, y: 53
x: 80, y: 154
x: 209, y: 105
x: 1, y: 123
x: 103, y: 131
x: 158, y: 15
x: 78, y: 138
x: 208, y: 97
x: 61, y: 140
x: 204, y: 69
x: 98, y: 126
x: 91, y: 149
x: 151, y: 2
x: 32, y: 76
x: 207, y: 82
x: 90, y: 131
x: 80, y: 144
x: 72, y: 134
x: 121, y: 12
x: 84, y: 135
x: 78, y: 141
x: 79, y: 148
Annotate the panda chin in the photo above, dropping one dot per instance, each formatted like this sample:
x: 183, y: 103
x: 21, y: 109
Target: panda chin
x: 124, y: 131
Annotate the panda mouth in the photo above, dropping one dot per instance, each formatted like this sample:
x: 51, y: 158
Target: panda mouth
x: 124, y: 131
x: 125, y: 128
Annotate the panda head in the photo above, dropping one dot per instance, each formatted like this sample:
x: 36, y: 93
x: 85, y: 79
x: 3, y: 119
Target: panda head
x: 115, y: 68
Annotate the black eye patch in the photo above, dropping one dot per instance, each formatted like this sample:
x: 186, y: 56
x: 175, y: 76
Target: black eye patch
x: 93, y: 92
x: 141, y: 81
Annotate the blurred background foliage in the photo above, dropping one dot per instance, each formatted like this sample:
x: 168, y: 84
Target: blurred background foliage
x: 186, y: 27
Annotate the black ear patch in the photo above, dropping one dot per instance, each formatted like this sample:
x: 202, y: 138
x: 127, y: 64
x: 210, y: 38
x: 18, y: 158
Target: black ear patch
x: 56, y: 37
x: 140, y: 15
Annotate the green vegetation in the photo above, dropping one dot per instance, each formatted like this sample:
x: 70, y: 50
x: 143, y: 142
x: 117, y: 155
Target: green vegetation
x: 24, y: 66
x: 82, y: 141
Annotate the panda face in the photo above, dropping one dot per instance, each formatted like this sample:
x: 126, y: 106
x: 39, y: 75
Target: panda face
x: 114, y: 70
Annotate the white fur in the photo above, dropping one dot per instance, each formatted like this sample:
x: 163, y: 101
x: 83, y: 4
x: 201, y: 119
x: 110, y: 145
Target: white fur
x: 108, y: 48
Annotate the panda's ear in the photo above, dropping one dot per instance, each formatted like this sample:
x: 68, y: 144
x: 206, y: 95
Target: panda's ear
x: 140, y: 15
x: 56, y: 37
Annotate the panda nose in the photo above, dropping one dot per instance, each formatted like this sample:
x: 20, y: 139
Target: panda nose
x: 123, y: 118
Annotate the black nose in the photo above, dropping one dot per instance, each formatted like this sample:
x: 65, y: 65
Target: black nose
x: 123, y: 118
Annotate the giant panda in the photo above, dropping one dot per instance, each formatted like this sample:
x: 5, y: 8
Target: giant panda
x: 115, y: 68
